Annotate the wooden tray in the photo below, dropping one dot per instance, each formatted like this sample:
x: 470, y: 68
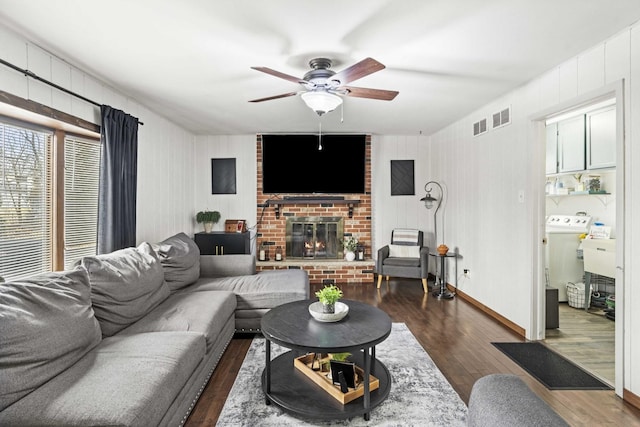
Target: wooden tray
x: 303, y: 364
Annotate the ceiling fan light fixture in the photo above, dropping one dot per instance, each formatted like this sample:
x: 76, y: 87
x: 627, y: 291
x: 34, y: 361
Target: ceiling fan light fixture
x: 321, y: 102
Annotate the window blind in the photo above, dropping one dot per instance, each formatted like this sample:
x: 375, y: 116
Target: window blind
x: 81, y: 176
x: 25, y: 201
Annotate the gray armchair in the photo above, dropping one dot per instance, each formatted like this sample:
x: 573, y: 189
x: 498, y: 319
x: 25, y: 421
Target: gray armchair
x: 405, y: 256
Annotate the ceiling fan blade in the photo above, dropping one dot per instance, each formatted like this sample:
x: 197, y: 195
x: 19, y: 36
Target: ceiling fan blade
x: 357, y: 71
x: 363, y: 92
x: 284, y: 95
x: 280, y: 75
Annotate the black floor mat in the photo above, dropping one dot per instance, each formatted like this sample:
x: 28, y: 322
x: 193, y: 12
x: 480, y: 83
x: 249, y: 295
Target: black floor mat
x: 550, y: 368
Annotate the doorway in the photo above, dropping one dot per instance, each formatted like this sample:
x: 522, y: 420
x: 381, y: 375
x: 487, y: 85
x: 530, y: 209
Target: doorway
x: 577, y: 327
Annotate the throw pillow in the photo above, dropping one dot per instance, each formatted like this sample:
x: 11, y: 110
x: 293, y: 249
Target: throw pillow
x: 404, y: 251
x: 46, y: 325
x: 406, y: 236
x: 180, y: 259
x: 125, y: 285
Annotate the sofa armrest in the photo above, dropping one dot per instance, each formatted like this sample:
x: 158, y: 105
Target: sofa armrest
x: 227, y: 265
x: 424, y: 262
x: 505, y: 400
x: 383, y: 253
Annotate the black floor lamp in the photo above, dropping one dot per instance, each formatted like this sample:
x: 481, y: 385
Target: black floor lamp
x: 442, y: 249
x: 429, y: 202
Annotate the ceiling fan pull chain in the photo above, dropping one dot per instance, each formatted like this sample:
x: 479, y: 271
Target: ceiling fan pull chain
x: 341, y: 113
x: 320, y: 136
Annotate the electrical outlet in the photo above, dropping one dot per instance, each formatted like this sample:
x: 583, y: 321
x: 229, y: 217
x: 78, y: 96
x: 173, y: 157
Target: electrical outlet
x: 467, y: 273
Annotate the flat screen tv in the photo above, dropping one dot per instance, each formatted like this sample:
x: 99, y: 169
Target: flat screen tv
x: 294, y: 164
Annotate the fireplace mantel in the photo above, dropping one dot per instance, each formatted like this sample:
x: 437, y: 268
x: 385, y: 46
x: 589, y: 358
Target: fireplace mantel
x: 311, y: 200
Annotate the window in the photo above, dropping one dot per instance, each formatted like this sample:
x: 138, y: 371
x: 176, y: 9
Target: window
x: 25, y: 201
x: 48, y: 207
x: 81, y: 176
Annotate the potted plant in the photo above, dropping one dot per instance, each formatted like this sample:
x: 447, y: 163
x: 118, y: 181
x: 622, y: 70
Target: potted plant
x: 208, y: 218
x: 350, y: 244
x: 328, y: 297
x: 340, y: 357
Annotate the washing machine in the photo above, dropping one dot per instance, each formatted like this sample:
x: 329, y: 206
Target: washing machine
x: 561, y: 255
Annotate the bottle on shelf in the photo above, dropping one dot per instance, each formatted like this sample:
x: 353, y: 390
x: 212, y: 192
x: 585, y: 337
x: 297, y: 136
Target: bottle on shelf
x: 548, y: 187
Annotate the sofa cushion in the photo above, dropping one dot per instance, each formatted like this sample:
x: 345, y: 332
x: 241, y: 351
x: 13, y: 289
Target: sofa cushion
x: 203, y: 312
x: 180, y: 259
x: 266, y: 289
x: 46, y: 325
x: 125, y: 285
x: 227, y: 265
x: 124, y: 381
x: 401, y: 262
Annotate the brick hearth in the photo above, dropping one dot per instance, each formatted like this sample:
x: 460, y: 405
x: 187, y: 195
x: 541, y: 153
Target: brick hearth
x: 271, y: 229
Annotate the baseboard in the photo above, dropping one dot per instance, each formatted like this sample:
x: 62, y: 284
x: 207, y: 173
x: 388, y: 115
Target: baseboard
x: 631, y: 398
x: 489, y: 312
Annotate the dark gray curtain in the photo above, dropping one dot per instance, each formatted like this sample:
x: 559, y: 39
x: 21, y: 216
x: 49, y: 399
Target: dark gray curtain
x: 118, y: 180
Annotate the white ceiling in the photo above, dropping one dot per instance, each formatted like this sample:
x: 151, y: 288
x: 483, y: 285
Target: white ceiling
x: 190, y: 60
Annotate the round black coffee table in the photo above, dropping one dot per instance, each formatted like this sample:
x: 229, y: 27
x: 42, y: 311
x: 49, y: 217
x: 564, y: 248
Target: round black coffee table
x: 290, y: 325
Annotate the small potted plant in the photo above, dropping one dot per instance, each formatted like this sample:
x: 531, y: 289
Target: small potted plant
x: 350, y: 244
x: 328, y: 297
x: 208, y: 218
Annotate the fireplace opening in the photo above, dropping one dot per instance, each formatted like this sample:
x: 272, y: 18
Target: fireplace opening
x: 314, y: 237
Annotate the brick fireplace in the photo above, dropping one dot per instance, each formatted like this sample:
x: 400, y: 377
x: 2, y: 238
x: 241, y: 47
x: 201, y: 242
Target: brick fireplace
x: 352, y: 211
x: 314, y: 237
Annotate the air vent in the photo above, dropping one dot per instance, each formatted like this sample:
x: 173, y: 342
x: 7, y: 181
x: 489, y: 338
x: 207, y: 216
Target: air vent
x: 480, y: 127
x: 502, y: 118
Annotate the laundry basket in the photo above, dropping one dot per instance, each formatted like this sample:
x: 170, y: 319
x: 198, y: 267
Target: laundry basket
x: 575, y: 295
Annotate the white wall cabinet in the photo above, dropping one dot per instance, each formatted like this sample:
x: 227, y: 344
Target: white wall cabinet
x: 601, y: 138
x: 552, y: 149
x: 583, y: 142
x: 571, y: 145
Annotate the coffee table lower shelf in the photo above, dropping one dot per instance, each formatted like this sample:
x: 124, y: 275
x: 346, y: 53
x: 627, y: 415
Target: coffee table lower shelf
x: 297, y: 394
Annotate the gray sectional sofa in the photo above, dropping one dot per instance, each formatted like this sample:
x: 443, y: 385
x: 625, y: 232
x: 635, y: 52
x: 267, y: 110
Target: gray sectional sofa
x: 128, y: 338
x: 504, y: 400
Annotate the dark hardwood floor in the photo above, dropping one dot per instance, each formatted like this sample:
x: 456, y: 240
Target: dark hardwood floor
x: 458, y: 338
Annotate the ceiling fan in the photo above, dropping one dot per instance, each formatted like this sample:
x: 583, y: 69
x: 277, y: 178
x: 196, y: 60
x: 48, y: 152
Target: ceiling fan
x: 323, y: 85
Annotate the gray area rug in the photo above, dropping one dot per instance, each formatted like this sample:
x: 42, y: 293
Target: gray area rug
x: 420, y: 394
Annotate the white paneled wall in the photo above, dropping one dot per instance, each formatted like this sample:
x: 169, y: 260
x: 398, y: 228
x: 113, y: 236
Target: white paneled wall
x: 166, y: 179
x: 494, y: 231
x: 631, y: 314
x: 231, y: 206
x: 388, y: 211
x: 165, y: 153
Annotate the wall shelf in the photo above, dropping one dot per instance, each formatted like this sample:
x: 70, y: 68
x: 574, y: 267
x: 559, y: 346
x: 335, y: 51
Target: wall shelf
x: 603, y: 197
x: 311, y: 201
